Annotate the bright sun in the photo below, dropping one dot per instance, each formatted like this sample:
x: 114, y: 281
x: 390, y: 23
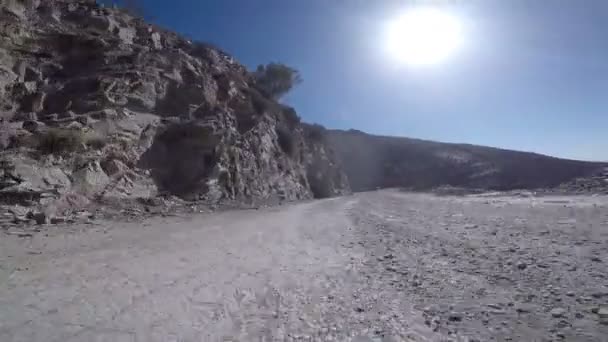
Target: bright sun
x: 423, y: 36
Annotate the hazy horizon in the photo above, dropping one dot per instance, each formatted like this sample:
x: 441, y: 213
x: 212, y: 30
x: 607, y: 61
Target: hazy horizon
x: 527, y: 77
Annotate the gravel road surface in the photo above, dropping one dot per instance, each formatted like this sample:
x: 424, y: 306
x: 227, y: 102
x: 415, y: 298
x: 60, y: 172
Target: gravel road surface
x: 377, y: 266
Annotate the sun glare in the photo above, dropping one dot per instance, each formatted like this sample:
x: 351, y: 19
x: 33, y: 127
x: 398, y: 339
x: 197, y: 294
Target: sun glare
x: 423, y: 36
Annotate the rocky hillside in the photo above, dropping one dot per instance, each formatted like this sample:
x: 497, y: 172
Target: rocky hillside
x: 376, y: 161
x: 97, y: 104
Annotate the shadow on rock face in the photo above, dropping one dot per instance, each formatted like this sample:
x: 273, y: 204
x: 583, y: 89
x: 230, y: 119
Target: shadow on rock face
x: 181, y: 158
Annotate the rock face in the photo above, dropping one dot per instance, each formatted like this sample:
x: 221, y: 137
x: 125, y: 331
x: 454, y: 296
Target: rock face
x: 97, y: 102
x: 377, y: 162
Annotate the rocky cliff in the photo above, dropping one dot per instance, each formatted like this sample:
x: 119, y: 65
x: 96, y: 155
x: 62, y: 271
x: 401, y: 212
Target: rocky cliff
x: 98, y: 104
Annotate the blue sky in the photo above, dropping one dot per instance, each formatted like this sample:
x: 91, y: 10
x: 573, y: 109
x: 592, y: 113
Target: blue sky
x: 531, y: 75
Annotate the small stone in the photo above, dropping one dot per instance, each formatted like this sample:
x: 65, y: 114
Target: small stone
x: 38, y: 217
x: 603, y: 312
x: 455, y: 316
x: 596, y: 259
x: 522, y: 265
x: 558, y: 312
x: 32, y: 126
x: 524, y: 308
x: 497, y: 311
x: 583, y: 299
x: 570, y: 294
x: 359, y: 309
x: 68, y: 114
x: 57, y: 220
x: 20, y: 234
x: 74, y: 126
x: 83, y: 120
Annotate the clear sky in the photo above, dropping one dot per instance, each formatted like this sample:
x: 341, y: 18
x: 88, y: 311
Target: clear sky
x: 531, y: 74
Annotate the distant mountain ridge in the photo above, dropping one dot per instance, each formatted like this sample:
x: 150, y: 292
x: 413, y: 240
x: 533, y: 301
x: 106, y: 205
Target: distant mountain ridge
x: 372, y: 161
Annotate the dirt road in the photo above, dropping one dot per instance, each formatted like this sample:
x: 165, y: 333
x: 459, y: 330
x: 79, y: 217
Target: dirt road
x: 378, y: 266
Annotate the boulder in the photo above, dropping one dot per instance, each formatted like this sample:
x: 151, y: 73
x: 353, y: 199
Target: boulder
x: 15, y: 8
x: 33, y: 126
x: 90, y: 180
x: 114, y: 167
x: 156, y: 41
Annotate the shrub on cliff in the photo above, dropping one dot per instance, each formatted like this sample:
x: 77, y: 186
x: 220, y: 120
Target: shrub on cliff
x: 286, y: 140
x: 291, y: 117
x: 276, y: 79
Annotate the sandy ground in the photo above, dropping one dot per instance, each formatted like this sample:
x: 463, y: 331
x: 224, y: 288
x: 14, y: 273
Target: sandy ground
x: 378, y: 266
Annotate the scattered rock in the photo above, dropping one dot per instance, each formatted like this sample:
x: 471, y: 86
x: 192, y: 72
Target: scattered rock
x: 497, y: 311
x: 40, y: 218
x: 558, y: 312
x: 33, y: 126
x: 90, y: 179
x: 57, y: 220
x: 21, y: 234
x: 455, y: 316
x: 602, y: 312
x: 524, y: 308
x: 114, y: 167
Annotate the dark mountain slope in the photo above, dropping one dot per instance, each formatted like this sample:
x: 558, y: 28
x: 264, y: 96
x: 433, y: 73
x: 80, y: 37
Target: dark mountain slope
x: 377, y: 161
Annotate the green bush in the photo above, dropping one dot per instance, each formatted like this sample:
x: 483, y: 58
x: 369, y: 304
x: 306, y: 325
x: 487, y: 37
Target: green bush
x: 275, y: 79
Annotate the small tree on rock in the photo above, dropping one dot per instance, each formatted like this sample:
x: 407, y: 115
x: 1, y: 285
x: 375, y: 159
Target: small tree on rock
x: 276, y: 79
